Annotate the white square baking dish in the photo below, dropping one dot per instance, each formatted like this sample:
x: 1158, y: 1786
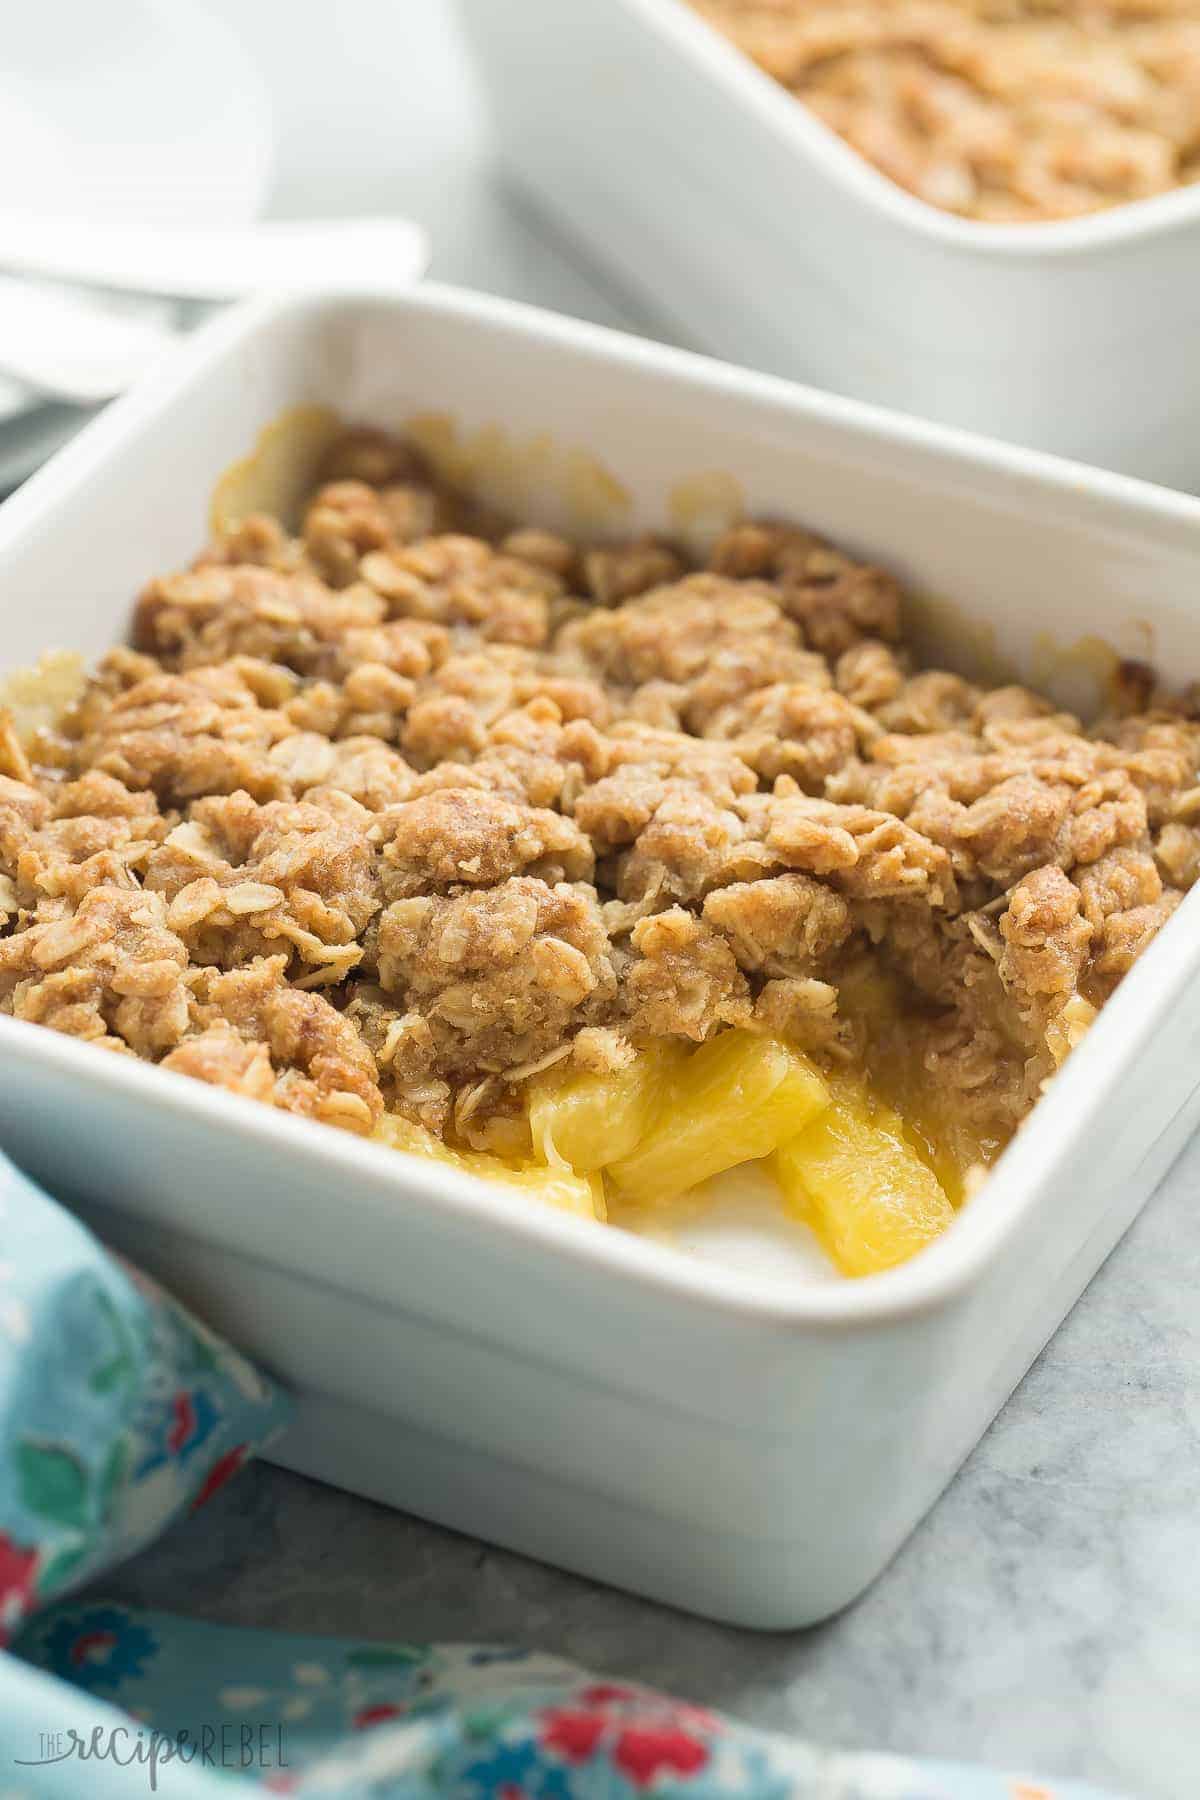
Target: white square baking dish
x: 756, y: 232
x: 726, y: 1441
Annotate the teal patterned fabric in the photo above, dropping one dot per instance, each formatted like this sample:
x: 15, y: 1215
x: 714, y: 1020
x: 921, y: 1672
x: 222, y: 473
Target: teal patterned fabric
x: 120, y: 1411
x: 311, y: 1715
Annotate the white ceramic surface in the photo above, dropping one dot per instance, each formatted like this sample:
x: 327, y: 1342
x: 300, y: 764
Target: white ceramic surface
x: 714, y: 1437
x: 756, y: 233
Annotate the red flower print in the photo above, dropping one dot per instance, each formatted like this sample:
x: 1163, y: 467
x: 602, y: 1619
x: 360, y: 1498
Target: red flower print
x: 642, y: 1750
x: 17, y: 1568
x: 222, y: 1471
x: 183, y: 1422
x: 89, y: 1644
x: 574, y: 1734
x: 376, y: 1715
x: 606, y: 1693
x: 645, y: 1734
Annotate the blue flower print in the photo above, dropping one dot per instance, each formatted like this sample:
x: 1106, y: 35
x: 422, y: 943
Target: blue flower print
x: 101, y: 1648
x: 516, y: 1771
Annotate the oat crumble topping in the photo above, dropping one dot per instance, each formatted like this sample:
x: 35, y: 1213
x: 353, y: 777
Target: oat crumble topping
x: 392, y: 816
x: 1003, y: 110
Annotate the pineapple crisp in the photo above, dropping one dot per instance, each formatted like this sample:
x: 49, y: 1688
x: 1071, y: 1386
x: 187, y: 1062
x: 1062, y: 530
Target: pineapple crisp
x: 586, y: 868
x: 1003, y: 110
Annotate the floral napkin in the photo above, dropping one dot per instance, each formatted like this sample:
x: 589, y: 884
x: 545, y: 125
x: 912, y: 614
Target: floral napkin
x: 119, y: 1412
x: 118, y: 1409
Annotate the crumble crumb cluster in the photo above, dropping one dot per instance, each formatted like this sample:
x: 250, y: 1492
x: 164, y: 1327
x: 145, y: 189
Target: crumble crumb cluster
x: 1006, y: 110
x: 393, y: 815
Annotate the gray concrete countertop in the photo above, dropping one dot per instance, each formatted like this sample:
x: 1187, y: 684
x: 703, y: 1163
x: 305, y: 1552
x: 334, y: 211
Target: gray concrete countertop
x: 1046, y: 1615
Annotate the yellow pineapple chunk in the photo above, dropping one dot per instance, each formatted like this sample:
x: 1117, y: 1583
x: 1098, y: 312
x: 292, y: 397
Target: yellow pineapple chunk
x: 589, y: 1121
x: 855, y: 1178
x: 729, y: 1102
x: 560, y: 1186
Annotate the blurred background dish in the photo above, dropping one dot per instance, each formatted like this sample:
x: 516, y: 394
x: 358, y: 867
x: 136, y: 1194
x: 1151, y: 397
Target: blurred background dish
x: 760, y: 236
x: 1022, y: 113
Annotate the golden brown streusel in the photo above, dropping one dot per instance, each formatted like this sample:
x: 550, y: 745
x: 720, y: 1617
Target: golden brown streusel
x: 390, y: 817
x: 1002, y: 110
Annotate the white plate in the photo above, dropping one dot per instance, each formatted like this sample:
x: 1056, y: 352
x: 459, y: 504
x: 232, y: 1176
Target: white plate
x: 143, y: 110
x: 194, y: 146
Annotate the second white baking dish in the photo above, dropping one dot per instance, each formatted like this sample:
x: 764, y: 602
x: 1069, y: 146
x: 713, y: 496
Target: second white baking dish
x: 727, y: 1441
x: 752, y: 229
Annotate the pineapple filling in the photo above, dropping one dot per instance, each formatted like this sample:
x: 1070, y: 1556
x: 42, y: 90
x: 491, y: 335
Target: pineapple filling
x: 873, y: 1184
